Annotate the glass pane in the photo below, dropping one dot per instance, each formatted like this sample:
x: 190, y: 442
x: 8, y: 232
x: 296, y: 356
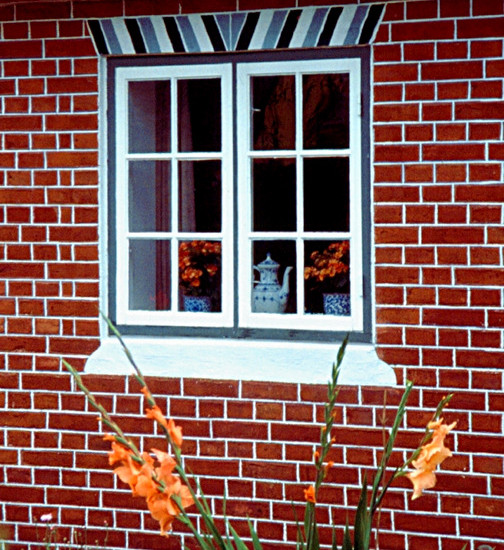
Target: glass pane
x: 327, y: 277
x: 149, y: 116
x: 326, y: 194
x: 199, y: 115
x: 200, y: 276
x: 273, y: 112
x: 149, y: 275
x: 149, y: 195
x: 274, y: 195
x: 274, y: 277
x: 200, y: 195
x: 325, y: 111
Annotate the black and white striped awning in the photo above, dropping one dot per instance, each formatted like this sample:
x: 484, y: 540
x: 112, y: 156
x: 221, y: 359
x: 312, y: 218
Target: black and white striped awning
x: 237, y: 31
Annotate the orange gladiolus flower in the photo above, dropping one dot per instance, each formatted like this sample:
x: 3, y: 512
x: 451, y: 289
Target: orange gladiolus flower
x: 431, y: 455
x: 310, y: 494
x: 155, y: 414
x: 175, y: 432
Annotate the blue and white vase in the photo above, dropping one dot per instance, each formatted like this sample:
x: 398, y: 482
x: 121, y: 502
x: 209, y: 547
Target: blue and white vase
x: 198, y: 304
x: 337, y: 304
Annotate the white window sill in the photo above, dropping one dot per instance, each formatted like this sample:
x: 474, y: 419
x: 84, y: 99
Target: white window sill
x: 272, y: 361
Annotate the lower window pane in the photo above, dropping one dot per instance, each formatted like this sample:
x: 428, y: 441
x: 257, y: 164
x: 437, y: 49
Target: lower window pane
x: 327, y: 277
x: 274, y: 279
x: 149, y: 275
x: 200, y: 276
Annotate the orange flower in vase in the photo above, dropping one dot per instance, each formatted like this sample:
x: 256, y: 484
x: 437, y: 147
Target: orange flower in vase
x: 199, y: 270
x: 328, y: 275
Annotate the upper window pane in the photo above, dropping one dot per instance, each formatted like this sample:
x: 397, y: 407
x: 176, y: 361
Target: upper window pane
x: 274, y: 112
x: 149, y: 116
x: 326, y: 111
x: 199, y: 115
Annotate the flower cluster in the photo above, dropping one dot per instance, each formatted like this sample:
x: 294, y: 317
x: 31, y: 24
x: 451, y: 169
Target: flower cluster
x: 156, y: 484
x: 330, y: 268
x: 199, y: 266
x: 430, y: 456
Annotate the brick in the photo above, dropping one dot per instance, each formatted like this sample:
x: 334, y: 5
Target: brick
x: 453, y: 317
x: 420, y: 51
x: 420, y: 337
x: 485, y: 256
x: 484, y: 131
x: 71, y: 122
x: 403, y: 72
x: 387, y: 52
x: 387, y: 173
x: 397, y: 275
x: 387, y: 295
x: 492, y: 28
x: 453, y: 296
x: 451, y: 132
x: 480, y: 193
x: 459, y: 151
x: 420, y: 296
x: 437, y: 357
x: 436, y: 111
x: 480, y: 276
x: 20, y: 49
x: 398, y: 356
x: 452, y: 90
x: 74, y: 84
x: 104, y: 8
x: 485, y: 297
x: 452, y: 71
x: 436, y: 276
x: 486, y: 89
x: 452, y: 50
x: 396, y: 153
x: 485, y: 172
x: 450, y: 173
x: 452, y: 214
x: 479, y: 110
x: 419, y: 255
x: 418, y: 173
x: 486, y: 339
x: 396, y: 112
x: 452, y: 235
x: 388, y: 255
x: 397, y: 316
x: 420, y: 214
x: 419, y: 92
x: 399, y: 235
x: 433, y: 30
x: 20, y: 123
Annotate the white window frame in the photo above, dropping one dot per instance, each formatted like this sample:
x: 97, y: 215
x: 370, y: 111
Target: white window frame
x: 127, y: 316
x: 300, y: 320
x: 236, y: 312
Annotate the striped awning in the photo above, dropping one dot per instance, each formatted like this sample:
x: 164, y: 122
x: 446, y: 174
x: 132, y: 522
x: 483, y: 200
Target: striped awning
x: 238, y: 31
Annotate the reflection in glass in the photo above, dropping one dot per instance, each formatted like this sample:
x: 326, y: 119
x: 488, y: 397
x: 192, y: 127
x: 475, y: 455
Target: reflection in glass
x: 327, y: 272
x: 149, y: 116
x: 326, y: 194
x: 274, y: 277
x: 149, y: 275
x: 200, y: 275
x: 274, y: 112
x: 149, y: 195
x: 200, y: 194
x: 199, y: 115
x: 325, y: 111
x: 274, y: 195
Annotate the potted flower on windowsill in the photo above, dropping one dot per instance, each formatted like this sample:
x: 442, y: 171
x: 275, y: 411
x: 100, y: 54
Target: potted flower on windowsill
x: 199, y: 270
x: 328, y: 275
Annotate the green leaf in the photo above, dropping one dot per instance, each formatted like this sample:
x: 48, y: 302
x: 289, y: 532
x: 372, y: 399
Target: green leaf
x: 255, y: 539
x: 362, y: 521
x: 240, y: 545
x: 347, y: 541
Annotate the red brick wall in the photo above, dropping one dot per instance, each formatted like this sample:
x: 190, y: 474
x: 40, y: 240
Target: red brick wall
x: 438, y: 194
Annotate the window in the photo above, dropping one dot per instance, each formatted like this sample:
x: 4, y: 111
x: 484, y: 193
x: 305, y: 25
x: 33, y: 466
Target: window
x: 238, y: 194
